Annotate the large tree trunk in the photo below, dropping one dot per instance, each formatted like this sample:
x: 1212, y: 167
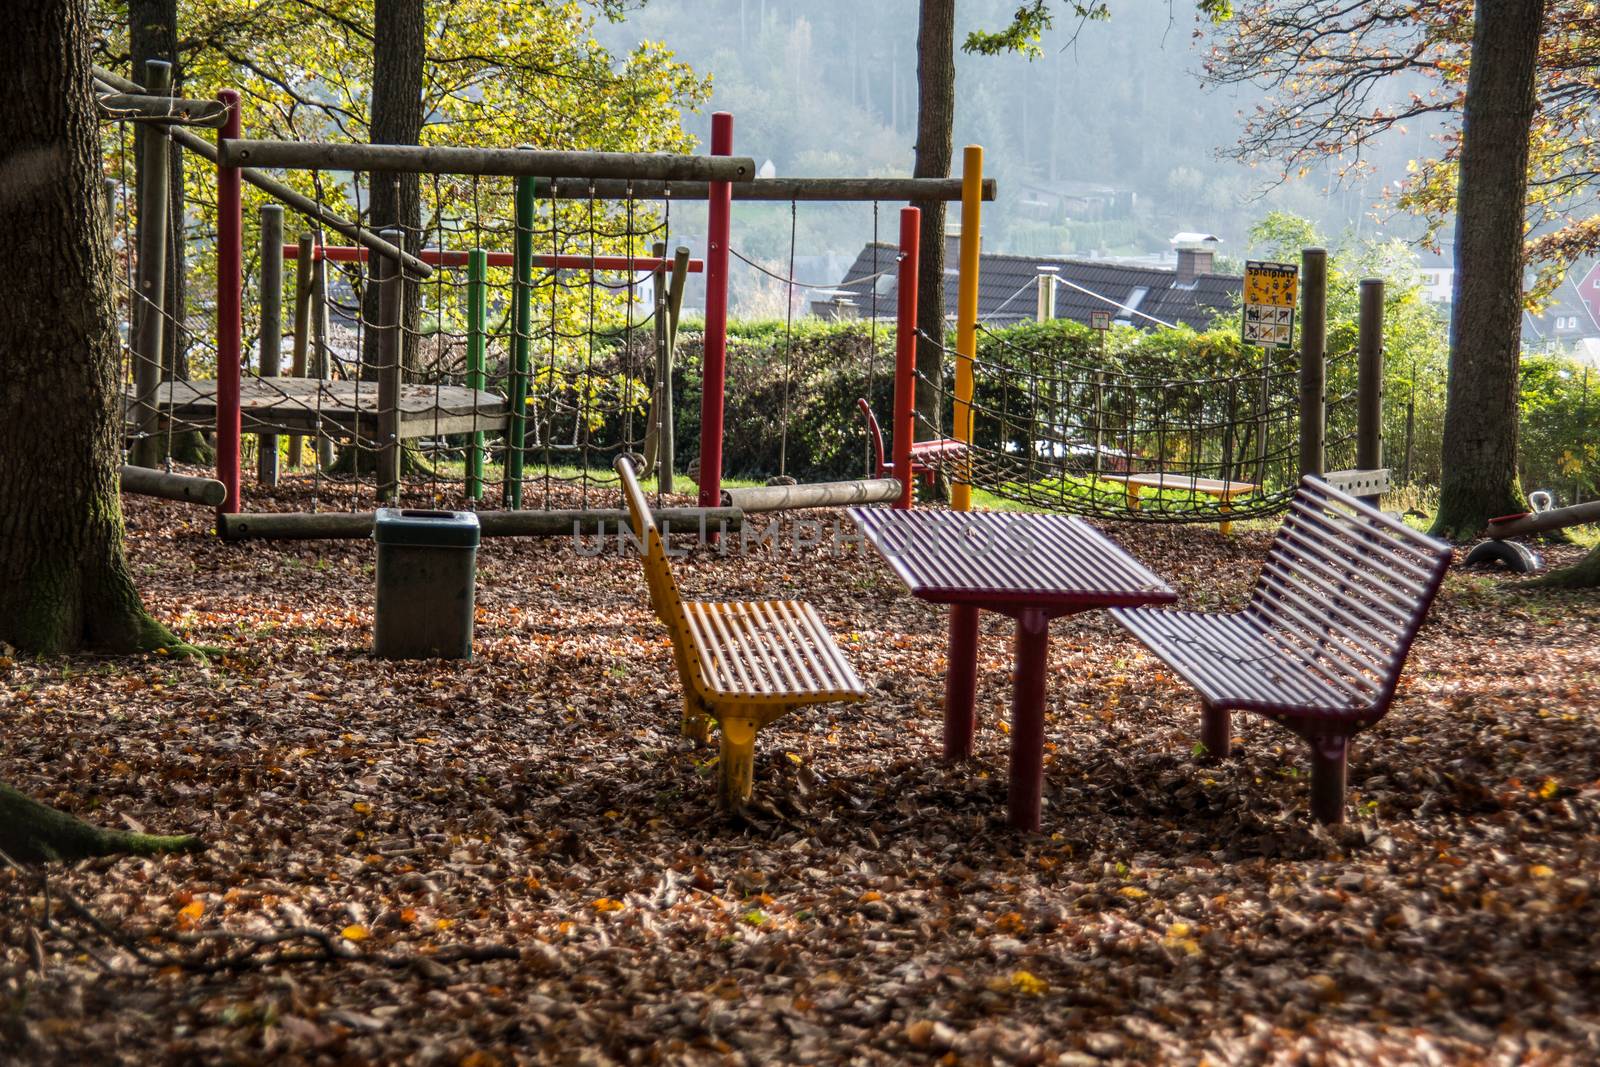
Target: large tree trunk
x: 1480, y: 426
x: 63, y: 581
x: 1585, y: 574
x: 936, y: 106
x: 398, y: 51
x: 398, y: 54
x: 153, y: 34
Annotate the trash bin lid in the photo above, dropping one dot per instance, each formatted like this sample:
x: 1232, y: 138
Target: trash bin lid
x: 425, y: 529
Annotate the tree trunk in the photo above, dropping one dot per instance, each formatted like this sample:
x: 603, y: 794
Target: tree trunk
x: 33, y: 833
x: 1584, y: 574
x: 398, y: 55
x: 153, y: 34
x: 63, y: 581
x: 398, y: 52
x: 936, y: 105
x: 1480, y: 427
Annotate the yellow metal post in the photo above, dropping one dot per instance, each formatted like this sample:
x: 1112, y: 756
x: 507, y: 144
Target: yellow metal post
x: 967, y: 318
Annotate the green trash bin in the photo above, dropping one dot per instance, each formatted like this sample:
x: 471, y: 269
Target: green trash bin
x: 427, y: 570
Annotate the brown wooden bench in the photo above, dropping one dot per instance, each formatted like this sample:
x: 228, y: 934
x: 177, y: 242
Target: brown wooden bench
x: 1320, y: 645
x: 742, y: 664
x: 1224, y: 491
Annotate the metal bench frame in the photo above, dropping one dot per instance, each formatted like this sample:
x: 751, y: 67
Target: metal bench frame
x: 926, y: 456
x: 742, y: 664
x: 1321, y: 643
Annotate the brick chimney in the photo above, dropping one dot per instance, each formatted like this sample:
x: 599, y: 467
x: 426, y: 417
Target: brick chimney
x: 1196, y: 255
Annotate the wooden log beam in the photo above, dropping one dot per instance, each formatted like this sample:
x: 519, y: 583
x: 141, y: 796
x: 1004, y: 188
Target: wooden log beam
x: 170, y: 110
x: 146, y: 482
x: 271, y: 186
x: 817, y: 495
x: 1541, y: 521
x: 504, y: 162
x: 353, y: 525
x: 838, y: 189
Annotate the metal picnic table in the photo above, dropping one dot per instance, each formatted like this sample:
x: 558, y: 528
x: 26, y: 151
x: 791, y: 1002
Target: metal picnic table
x: 1031, y: 567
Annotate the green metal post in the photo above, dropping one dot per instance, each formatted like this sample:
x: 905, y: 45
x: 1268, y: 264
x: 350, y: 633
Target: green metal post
x: 477, y: 330
x: 521, y: 341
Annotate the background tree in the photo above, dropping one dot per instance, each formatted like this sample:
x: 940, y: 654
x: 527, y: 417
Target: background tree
x: 1480, y: 422
x: 64, y: 583
x: 398, y: 56
x: 936, y: 112
x: 1341, y: 76
x: 153, y: 34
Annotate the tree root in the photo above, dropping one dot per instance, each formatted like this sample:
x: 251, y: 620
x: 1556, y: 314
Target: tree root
x: 31, y: 832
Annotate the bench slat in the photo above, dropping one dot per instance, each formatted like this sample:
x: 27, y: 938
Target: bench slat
x: 1273, y: 570
x: 1407, y: 552
x: 1383, y: 612
x: 1292, y: 609
x: 1377, y: 548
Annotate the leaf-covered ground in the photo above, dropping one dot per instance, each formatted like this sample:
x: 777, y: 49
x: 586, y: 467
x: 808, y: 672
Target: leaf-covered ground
x: 517, y: 859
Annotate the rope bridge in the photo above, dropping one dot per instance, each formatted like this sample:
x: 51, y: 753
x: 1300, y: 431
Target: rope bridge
x: 1209, y: 435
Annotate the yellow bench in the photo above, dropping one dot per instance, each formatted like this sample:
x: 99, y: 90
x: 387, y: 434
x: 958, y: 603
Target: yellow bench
x: 742, y: 664
x: 1212, y: 487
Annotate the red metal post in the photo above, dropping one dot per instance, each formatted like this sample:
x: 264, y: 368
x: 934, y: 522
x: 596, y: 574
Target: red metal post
x: 961, y: 683
x: 715, y: 361
x: 230, y: 311
x: 1216, y: 731
x: 905, y: 353
x: 1027, y: 720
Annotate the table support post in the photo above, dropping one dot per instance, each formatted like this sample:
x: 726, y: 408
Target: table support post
x: 1027, y: 720
x: 1216, y: 731
x: 961, y: 683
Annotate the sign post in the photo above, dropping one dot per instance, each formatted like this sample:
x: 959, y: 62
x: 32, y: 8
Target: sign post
x: 1269, y: 300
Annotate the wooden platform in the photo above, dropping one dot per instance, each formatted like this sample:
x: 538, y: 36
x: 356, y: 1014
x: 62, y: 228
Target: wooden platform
x: 1213, y: 487
x: 294, y: 405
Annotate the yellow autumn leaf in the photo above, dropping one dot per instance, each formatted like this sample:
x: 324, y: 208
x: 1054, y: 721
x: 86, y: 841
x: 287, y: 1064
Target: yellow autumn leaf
x: 1550, y: 788
x: 1028, y: 984
x: 607, y: 904
x: 1539, y: 870
x: 1133, y: 892
x: 191, y: 911
x: 354, y: 932
x: 362, y: 807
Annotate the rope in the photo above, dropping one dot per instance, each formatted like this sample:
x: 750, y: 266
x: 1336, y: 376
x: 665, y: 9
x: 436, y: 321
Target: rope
x: 1061, y: 435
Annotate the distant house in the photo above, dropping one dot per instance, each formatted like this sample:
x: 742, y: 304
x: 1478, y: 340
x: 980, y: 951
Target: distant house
x: 1437, y: 273
x: 1008, y: 288
x: 1570, y: 318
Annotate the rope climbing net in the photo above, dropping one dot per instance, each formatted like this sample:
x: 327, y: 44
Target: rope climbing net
x: 1206, y: 434
x: 518, y: 385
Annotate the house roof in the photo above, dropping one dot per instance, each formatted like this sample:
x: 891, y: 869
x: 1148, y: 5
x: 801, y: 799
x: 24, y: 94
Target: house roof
x: 1007, y: 289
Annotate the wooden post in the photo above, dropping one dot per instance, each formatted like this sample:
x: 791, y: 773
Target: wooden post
x: 905, y: 352
x: 1046, y: 303
x: 679, y: 278
x: 967, y: 317
x: 477, y: 340
x: 230, y: 310
x: 303, y: 268
x: 1313, y: 361
x: 1369, y: 381
x: 658, y: 322
x: 271, y: 216
x: 321, y: 368
x: 391, y: 316
x: 521, y: 341
x: 150, y: 283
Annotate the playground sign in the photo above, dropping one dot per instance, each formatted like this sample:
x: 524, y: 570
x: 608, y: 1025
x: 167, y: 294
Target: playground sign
x: 1269, y: 298
x: 1100, y: 320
